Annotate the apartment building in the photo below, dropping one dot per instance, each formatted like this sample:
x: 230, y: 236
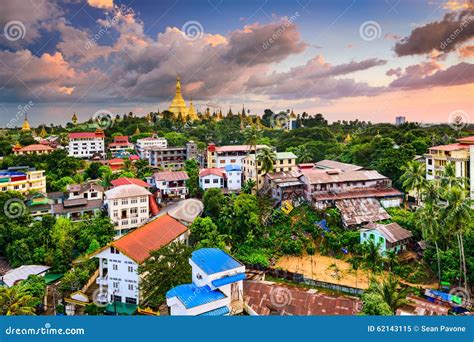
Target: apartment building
x: 284, y: 162
x: 80, y: 200
x: 143, y: 145
x: 128, y: 207
x: 170, y: 185
x: 120, y: 145
x: 22, y: 179
x: 171, y: 158
x: 220, y: 156
x: 87, y: 144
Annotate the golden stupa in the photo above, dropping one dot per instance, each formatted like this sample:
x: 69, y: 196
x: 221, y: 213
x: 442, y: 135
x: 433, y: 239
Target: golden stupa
x: 74, y: 119
x: 178, y: 105
x: 43, y: 133
x: 192, y: 112
x: 26, y: 125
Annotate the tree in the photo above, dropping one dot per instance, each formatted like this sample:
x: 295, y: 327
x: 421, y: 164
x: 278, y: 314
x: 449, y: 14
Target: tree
x: 213, y: 200
x: 266, y: 158
x: 449, y: 178
x: 163, y: 270
x: 92, y: 172
x: 15, y: 301
x: 248, y: 186
x: 303, y: 153
x: 191, y: 167
x: 251, y: 137
x: 390, y: 291
x: 204, y: 232
x: 414, y: 178
x: 374, y: 305
x: 372, y: 258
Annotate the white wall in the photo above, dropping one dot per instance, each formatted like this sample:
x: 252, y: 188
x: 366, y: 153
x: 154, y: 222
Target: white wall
x: 131, y: 220
x: 234, y: 180
x: 214, y: 182
x: 85, y: 148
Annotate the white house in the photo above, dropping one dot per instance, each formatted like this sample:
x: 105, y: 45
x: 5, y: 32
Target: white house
x: 170, y: 184
x: 127, y: 206
x: 216, y: 288
x: 86, y: 144
x: 119, y: 280
x: 220, y: 156
x: 234, y: 177
x: 142, y: 146
x: 212, y: 178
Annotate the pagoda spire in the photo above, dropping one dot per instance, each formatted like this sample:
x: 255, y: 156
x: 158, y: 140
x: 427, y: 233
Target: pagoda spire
x: 26, y: 125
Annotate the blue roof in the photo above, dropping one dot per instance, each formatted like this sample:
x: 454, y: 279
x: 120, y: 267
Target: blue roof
x: 223, y: 310
x: 228, y: 280
x: 191, y: 295
x: 233, y: 167
x: 214, y: 260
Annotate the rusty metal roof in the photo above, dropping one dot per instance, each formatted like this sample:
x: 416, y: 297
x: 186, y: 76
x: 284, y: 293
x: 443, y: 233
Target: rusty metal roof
x: 358, y: 211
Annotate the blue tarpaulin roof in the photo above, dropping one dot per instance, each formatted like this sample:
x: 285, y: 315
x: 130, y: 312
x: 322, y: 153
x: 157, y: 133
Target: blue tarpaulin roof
x: 224, y: 310
x: 191, y: 295
x: 214, y: 260
x: 233, y: 167
x: 228, y: 280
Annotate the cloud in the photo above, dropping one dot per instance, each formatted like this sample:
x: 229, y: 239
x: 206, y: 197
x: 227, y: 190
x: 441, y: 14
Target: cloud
x: 445, y: 35
x: 466, y: 51
x: 392, y: 36
x: 454, y: 5
x: 394, y: 72
x: 105, y: 4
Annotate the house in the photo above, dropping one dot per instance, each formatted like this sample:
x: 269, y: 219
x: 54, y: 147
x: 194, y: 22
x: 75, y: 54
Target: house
x: 120, y: 145
x: 87, y: 144
x: 460, y: 153
x: 220, y: 156
x: 126, y: 180
x: 234, y: 177
x: 327, y: 164
x: 392, y: 237
x: 18, y: 274
x: 128, y: 207
x: 142, y: 146
x: 38, y: 205
x: 170, y: 184
x: 284, y: 185
x: 417, y: 306
x: 79, y: 200
x: 358, y: 211
x: 284, y: 161
x: 212, y: 178
x: 23, y: 179
x: 37, y: 149
x: 171, y: 158
x: 216, y: 288
x: 119, y: 280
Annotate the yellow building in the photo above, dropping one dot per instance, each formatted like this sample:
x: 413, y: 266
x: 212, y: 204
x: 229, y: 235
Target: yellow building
x: 284, y: 162
x: 22, y: 179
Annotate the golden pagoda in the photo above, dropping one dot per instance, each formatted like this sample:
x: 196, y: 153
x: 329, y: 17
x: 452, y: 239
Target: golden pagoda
x: 230, y: 114
x: 26, y: 125
x: 292, y: 114
x: 43, y: 132
x: 220, y: 116
x: 178, y: 105
x: 74, y: 119
x: 348, y: 138
x: 137, y: 131
x: 192, y: 112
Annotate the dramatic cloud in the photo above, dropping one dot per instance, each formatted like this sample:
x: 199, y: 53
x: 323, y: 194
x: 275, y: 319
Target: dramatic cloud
x: 466, y: 51
x: 444, y: 35
x: 106, y: 4
x: 394, y: 72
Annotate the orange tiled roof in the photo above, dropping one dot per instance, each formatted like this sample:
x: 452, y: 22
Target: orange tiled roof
x: 152, y: 236
x: 36, y: 147
x: 126, y: 180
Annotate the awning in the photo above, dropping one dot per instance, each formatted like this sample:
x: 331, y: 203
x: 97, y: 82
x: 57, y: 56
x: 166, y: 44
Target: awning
x: 224, y: 310
x: 228, y: 280
x: 121, y: 308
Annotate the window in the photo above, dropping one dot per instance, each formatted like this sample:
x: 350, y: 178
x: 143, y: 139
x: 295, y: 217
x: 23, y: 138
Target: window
x: 130, y: 287
x: 115, y: 267
x: 130, y: 268
x: 129, y: 300
x: 215, y: 181
x: 116, y: 284
x: 143, y: 210
x: 133, y: 201
x: 142, y: 199
x: 124, y: 201
x: 207, y: 181
x: 115, y: 202
x: 115, y: 213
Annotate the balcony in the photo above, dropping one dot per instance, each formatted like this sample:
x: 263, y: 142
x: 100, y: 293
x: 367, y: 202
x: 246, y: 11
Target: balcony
x: 102, y: 280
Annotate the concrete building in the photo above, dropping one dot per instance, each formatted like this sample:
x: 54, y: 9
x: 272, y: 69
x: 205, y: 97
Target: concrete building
x: 400, y: 120
x: 142, y: 146
x: 212, y: 178
x: 216, y: 288
x: 37, y: 149
x: 128, y: 207
x: 391, y: 237
x: 220, y: 156
x: 284, y: 162
x: 22, y: 179
x: 234, y: 177
x: 170, y: 185
x: 87, y: 144
x: 120, y: 145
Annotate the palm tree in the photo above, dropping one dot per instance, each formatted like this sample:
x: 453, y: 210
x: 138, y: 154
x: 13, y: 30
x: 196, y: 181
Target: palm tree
x: 458, y: 216
x: 391, y: 258
x: 449, y: 178
x: 248, y: 186
x: 266, y: 158
x: 372, y: 258
x: 414, y: 178
x: 431, y: 192
x: 303, y: 154
x: 251, y: 137
x: 14, y: 301
x: 390, y: 291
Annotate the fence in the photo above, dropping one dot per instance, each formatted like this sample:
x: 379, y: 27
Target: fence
x: 301, y: 279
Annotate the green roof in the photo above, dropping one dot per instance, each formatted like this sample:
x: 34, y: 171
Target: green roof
x: 122, y: 308
x: 50, y: 278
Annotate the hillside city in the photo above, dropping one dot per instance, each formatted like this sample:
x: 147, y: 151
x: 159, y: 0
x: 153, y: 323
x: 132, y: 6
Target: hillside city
x: 200, y: 212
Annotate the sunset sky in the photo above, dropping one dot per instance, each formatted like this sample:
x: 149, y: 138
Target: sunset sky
x: 366, y: 60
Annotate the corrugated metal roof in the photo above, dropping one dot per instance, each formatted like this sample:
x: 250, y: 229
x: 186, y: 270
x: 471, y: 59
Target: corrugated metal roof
x: 191, y: 295
x: 361, y: 210
x: 214, y: 260
x: 228, y: 280
x: 233, y: 167
x: 222, y: 311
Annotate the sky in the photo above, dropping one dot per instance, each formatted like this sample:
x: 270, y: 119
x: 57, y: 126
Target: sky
x: 347, y: 59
